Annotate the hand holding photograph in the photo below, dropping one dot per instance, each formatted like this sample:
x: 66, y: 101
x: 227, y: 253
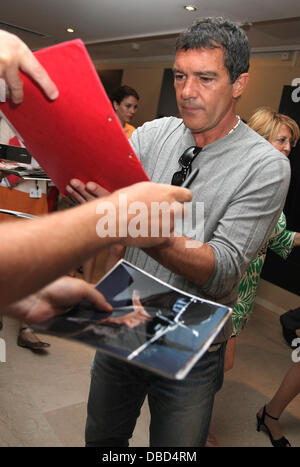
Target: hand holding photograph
x: 152, y: 325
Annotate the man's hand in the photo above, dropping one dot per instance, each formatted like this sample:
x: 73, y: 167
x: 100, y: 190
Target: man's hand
x: 143, y: 200
x: 81, y: 192
x: 147, y: 193
x: 56, y: 299
x: 15, y: 56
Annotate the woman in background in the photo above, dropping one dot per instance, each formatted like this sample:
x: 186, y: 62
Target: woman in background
x: 125, y: 101
x: 283, y: 133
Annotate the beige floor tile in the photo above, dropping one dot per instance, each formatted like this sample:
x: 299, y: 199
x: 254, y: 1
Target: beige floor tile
x: 21, y: 422
x: 262, y: 359
x: 68, y: 424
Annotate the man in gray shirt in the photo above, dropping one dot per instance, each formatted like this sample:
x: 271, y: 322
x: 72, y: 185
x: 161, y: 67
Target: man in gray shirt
x: 242, y: 182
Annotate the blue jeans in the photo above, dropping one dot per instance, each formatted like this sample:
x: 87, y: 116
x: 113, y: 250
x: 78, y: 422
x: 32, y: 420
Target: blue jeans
x: 180, y: 410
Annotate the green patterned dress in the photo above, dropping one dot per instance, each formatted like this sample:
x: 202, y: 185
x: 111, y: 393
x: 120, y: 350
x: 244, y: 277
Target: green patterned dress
x: 280, y: 242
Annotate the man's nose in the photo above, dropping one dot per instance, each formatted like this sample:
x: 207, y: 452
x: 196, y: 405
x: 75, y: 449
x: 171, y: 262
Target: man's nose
x: 189, y: 88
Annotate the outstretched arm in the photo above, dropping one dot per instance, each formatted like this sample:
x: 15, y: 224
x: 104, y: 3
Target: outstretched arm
x: 36, y: 252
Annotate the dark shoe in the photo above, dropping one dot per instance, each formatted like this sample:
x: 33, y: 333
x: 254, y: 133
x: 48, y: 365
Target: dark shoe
x: 23, y: 342
x: 277, y: 443
x: 288, y: 334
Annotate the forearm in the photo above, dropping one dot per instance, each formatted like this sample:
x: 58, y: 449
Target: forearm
x: 35, y: 252
x: 19, y: 310
x: 194, y: 264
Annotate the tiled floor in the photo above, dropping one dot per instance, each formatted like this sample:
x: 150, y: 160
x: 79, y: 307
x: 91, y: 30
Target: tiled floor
x: 43, y: 398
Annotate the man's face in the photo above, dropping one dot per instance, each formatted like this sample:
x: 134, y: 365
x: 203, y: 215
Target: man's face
x: 203, y: 90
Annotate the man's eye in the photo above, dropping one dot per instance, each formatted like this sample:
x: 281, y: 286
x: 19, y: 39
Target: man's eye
x: 205, y: 79
x: 178, y: 77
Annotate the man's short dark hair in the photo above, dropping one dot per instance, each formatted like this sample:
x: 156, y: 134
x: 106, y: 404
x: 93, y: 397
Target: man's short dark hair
x: 210, y: 33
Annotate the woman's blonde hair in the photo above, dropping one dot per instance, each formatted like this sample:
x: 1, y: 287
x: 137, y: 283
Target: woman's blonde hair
x: 266, y: 122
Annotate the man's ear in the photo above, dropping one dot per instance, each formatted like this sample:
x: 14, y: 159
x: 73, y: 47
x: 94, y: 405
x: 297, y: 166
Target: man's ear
x: 239, y: 85
x: 115, y: 105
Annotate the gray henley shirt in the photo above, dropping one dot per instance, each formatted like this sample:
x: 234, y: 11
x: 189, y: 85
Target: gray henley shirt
x: 242, y: 183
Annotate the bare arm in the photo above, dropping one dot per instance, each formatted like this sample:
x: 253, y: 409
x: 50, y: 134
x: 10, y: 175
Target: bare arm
x: 35, y: 252
x: 195, y: 264
x: 38, y: 251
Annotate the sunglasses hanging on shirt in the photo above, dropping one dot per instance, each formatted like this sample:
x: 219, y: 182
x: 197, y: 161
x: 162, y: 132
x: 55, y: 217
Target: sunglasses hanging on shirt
x: 185, y: 161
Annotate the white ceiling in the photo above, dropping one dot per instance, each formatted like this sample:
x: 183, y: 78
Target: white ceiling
x: 110, y: 27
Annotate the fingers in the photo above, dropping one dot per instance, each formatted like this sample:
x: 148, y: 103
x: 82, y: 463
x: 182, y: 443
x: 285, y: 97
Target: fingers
x: 95, y: 297
x: 156, y: 192
x: 77, y: 190
x: 81, y: 192
x: 182, y: 195
x: 30, y: 65
x: 68, y: 291
x: 97, y: 190
x: 14, y: 84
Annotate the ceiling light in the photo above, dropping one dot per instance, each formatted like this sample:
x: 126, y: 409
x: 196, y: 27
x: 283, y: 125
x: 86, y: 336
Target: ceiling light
x: 70, y: 30
x: 190, y: 8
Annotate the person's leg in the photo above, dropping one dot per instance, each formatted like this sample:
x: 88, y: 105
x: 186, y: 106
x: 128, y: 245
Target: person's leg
x: 117, y: 393
x: 181, y: 410
x: 288, y: 390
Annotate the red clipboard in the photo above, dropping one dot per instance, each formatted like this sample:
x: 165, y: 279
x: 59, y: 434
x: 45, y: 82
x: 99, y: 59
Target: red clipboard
x: 78, y: 135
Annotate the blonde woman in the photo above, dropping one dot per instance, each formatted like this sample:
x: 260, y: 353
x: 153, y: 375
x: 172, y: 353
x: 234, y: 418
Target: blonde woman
x: 283, y: 133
